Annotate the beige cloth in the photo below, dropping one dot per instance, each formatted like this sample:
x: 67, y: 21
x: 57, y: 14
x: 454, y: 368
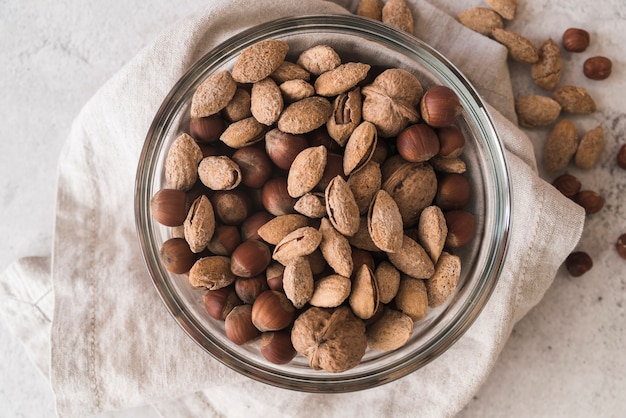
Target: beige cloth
x: 114, y: 346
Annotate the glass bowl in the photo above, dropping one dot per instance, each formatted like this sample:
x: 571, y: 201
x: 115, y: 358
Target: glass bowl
x: 361, y: 39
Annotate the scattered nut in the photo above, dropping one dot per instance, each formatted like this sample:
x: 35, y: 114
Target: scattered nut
x: 574, y: 100
x: 575, y: 40
x: 520, y: 48
x: 370, y: 8
x: 620, y: 246
x: 481, y: 19
x: 597, y: 68
x: 567, y: 184
x: 546, y: 73
x: 396, y: 13
x: 505, y: 8
x: 560, y: 146
x: 590, y: 200
x: 590, y: 148
x: 578, y: 263
x: 536, y: 110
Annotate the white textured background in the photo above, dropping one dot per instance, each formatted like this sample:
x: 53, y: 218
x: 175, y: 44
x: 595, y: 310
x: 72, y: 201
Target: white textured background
x: 567, y: 358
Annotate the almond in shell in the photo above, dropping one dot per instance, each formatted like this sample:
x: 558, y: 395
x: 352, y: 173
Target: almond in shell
x: 481, y: 19
x: 364, y: 295
x: 384, y: 222
x: 211, y: 272
x: 299, y: 243
x: 306, y: 171
x: 574, y: 100
x: 590, y: 148
x: 312, y: 205
x: 560, y: 146
x: 259, y: 60
x: 346, y: 116
x: 181, y: 163
x: 274, y: 230
x: 546, y: 72
x: 432, y: 231
x: 443, y: 282
x: 341, y: 79
x: 520, y: 48
x: 364, y: 184
x: 412, y: 298
x: 336, y: 249
x: 319, y: 59
x: 341, y: 207
x: 243, y: 132
x: 388, y: 281
x: 360, y: 147
x: 536, y: 110
x: 199, y: 225
x: 412, y: 259
x: 305, y: 115
x: 219, y: 173
x: 213, y: 94
x: 266, y: 101
x: 330, y: 291
x: 391, y: 331
x: 298, y: 281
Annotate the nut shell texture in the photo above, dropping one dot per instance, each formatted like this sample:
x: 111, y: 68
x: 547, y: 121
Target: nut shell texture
x: 213, y: 94
x: 260, y: 60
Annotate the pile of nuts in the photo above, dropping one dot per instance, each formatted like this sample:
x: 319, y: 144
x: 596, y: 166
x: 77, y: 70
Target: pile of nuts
x: 563, y: 145
x: 317, y: 202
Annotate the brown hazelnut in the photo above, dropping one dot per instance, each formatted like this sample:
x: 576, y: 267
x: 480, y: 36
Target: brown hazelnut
x: 620, y: 246
x: 440, y: 106
x: 255, y: 166
x: 225, y: 239
x: 250, y: 227
x: 276, y: 347
x: 417, y: 143
x: 176, y: 256
x: 334, y: 167
x: 380, y: 152
x: 248, y: 289
x: 274, y: 275
x: 461, y: 227
x: 621, y: 157
x: 567, y: 184
x: 575, y: 40
x: 321, y: 136
x: 451, y: 141
x: 207, y: 129
x: 282, y: 147
x: 590, y: 200
x: 250, y: 258
x: 578, y: 263
x: 238, y: 325
x: 169, y: 207
x: 219, y: 302
x: 597, y: 68
x: 272, y: 311
x: 276, y: 199
x: 232, y: 207
x: 453, y: 192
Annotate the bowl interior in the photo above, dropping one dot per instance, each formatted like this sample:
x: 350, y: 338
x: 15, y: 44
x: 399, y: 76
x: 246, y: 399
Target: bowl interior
x: 355, y: 39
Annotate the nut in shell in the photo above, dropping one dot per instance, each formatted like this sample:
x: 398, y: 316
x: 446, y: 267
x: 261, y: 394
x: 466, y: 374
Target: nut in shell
x: 274, y: 230
x: 560, y: 146
x: 305, y: 115
x: 387, y: 280
x: 242, y: 133
x: 546, y: 73
x: 597, y: 68
x: 413, y: 186
x: 181, y: 163
x: 397, y: 13
x: 536, y: 110
x: 238, y: 325
x: 287, y: 71
x: 312, y: 205
x: 213, y: 94
x: 574, y: 100
x: 341, y: 79
x: 341, y: 207
x: 259, y: 60
x: 505, y: 8
x: 442, y: 284
x: 365, y: 183
x: 390, y: 101
x: 271, y: 311
x: 432, y: 231
x: 298, y: 281
x: 219, y: 173
x: 306, y: 171
x: 319, y: 59
x: 364, y: 295
x: 332, y: 340
x: 384, y: 222
x: 330, y: 291
x: 212, y: 272
x: 199, y: 225
x: 481, y: 19
x: 336, y: 249
x: 412, y: 259
x: 412, y: 298
x: 266, y: 101
x: 520, y: 48
x: 391, y: 331
x: 360, y: 147
x: 590, y: 148
x: 346, y: 116
x: 303, y: 241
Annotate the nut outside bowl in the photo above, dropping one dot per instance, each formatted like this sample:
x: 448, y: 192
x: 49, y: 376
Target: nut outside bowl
x: 354, y: 38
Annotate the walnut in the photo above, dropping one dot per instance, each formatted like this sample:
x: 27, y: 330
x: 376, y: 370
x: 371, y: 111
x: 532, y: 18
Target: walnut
x: 331, y: 339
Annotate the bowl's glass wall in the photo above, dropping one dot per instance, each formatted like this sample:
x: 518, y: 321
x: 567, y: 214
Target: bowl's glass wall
x: 368, y: 41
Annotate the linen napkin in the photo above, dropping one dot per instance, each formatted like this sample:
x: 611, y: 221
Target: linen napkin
x: 112, y: 343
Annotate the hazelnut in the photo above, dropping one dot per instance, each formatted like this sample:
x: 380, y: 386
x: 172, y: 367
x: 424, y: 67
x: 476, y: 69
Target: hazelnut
x: 453, y: 192
x: 451, y: 141
x: 169, y: 207
x: 275, y: 197
x: 621, y: 157
x: 417, y: 143
x: 597, y: 68
x: 440, y: 106
x: 274, y: 276
x: 334, y: 167
x: 238, y: 325
x: 272, y: 311
x: 276, y: 347
x: 282, y: 147
x: 255, y: 166
x: 575, y: 40
x: 225, y: 239
x: 248, y: 289
x: 591, y: 201
x: 207, y: 129
x: 620, y: 246
x: 219, y: 302
x: 231, y: 207
x: 578, y: 263
x: 176, y: 256
x: 567, y: 184
x: 250, y: 258
x: 461, y: 227
x: 250, y: 227
x: 320, y: 136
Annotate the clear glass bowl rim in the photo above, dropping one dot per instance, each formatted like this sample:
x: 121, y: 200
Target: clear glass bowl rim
x: 499, y: 226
